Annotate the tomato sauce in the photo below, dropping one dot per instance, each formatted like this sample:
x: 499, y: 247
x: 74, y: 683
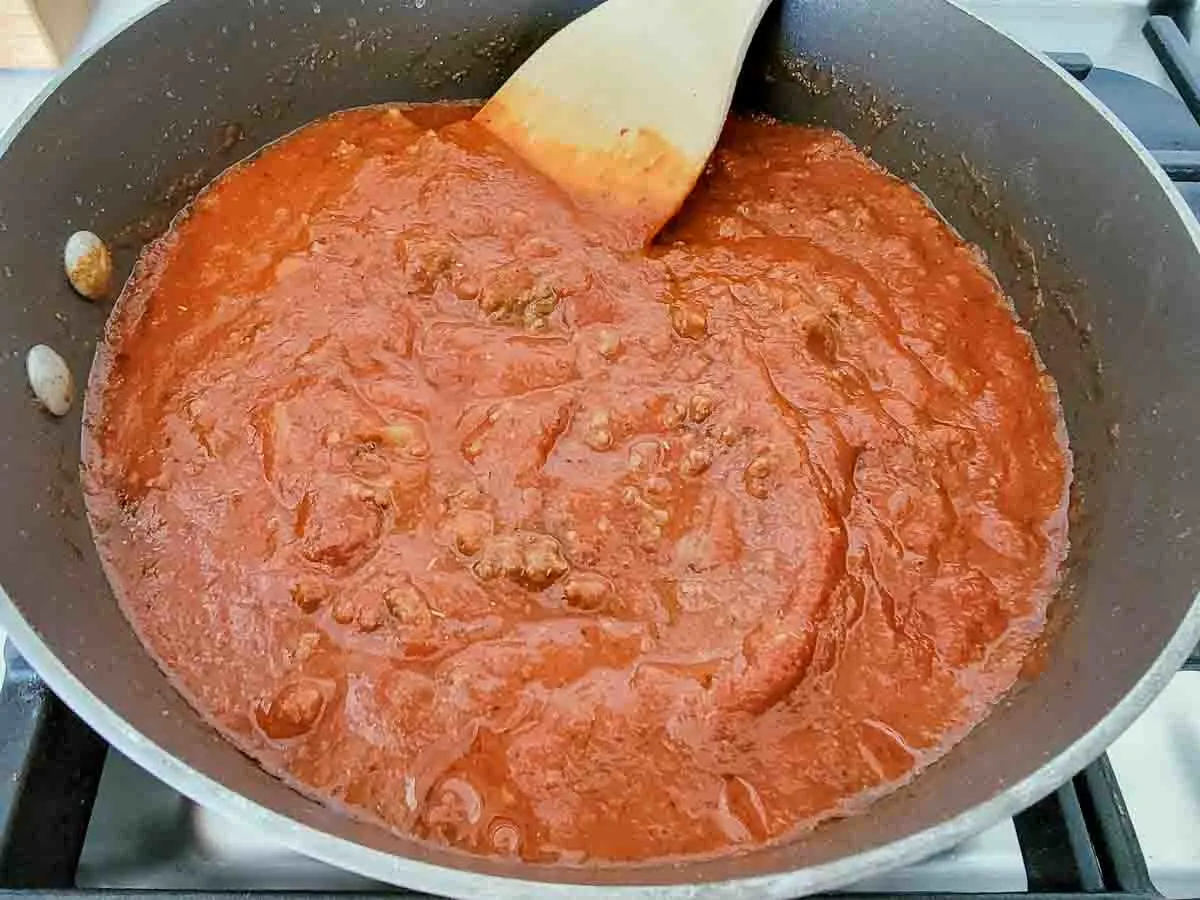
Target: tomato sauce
x: 453, y: 512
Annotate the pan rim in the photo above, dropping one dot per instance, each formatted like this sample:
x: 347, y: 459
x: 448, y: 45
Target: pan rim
x: 453, y: 880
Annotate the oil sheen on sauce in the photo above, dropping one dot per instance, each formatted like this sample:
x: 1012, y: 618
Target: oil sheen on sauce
x: 459, y: 518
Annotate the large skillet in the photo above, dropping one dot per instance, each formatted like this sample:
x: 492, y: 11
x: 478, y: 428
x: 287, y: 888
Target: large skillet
x: 1092, y: 243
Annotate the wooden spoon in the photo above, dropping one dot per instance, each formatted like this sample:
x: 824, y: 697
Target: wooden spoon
x: 623, y: 107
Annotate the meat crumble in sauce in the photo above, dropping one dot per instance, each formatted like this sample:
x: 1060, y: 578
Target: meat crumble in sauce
x: 451, y: 514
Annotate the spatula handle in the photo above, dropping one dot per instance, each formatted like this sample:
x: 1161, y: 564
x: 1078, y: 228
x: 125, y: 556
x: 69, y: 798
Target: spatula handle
x: 735, y: 19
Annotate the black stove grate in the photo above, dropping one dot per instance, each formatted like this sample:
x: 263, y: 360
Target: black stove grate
x: 1079, y: 840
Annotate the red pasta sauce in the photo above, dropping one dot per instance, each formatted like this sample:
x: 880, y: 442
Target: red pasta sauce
x: 452, y: 513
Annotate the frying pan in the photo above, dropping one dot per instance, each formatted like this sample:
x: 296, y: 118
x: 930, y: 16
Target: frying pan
x: 1090, y: 241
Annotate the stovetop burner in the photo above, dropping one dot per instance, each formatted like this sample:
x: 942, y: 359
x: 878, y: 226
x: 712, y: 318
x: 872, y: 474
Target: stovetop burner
x: 1168, y: 126
x: 66, y: 829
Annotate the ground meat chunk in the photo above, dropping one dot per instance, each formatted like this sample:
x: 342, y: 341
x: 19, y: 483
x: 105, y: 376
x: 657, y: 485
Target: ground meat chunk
x: 340, y: 523
x: 532, y: 560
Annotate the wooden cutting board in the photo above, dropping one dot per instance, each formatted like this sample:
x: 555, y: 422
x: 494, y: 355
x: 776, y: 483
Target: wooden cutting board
x: 40, y: 34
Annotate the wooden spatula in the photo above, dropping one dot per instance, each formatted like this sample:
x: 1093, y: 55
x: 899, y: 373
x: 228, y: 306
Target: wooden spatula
x: 623, y: 106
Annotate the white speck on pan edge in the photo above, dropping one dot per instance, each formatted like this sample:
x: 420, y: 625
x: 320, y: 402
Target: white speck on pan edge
x: 88, y: 264
x: 50, y: 379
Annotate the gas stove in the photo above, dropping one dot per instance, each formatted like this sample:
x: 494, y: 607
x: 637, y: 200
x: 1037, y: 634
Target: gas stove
x: 77, y: 819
